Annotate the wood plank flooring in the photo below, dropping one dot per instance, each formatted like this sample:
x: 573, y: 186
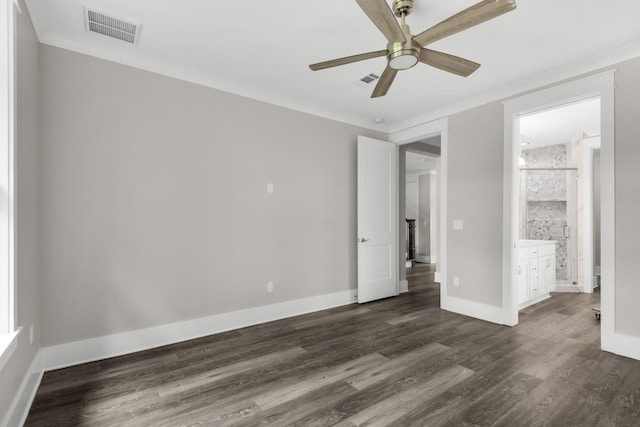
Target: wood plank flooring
x: 400, y: 361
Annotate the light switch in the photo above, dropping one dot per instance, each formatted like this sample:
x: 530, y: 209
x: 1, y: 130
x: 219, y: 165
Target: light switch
x: 457, y: 224
x: 269, y: 188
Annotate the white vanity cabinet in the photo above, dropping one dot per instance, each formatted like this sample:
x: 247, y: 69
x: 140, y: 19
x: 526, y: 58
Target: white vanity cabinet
x: 536, y: 270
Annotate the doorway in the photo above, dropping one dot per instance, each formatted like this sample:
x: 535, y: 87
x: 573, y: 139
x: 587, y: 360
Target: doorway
x: 419, y: 207
x: 556, y: 185
x: 599, y: 86
x: 405, y: 139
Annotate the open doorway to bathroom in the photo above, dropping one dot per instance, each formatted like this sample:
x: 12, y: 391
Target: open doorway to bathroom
x: 559, y: 201
x: 598, y: 86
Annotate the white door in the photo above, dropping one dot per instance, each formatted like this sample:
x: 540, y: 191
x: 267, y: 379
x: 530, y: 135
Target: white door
x: 377, y: 220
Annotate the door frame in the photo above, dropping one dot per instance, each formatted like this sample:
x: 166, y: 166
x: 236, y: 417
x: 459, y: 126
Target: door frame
x: 599, y: 85
x: 589, y: 145
x: 413, y: 134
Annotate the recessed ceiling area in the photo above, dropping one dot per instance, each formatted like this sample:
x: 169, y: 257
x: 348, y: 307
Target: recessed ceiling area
x: 559, y: 125
x: 419, y: 163
x: 262, y: 50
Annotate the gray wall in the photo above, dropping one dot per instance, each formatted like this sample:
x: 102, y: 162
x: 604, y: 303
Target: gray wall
x: 27, y: 236
x: 474, y: 195
x: 596, y: 208
x: 424, y: 214
x: 411, y: 196
x: 402, y: 208
x: 627, y: 152
x: 155, y: 207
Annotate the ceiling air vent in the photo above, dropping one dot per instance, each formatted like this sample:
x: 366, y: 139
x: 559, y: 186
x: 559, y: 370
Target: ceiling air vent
x: 367, y: 80
x: 110, y: 26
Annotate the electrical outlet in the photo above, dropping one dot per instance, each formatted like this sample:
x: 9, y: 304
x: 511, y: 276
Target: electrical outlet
x: 269, y: 286
x: 31, y: 335
x: 456, y: 281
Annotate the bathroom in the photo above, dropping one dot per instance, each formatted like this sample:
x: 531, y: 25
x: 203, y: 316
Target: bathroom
x: 559, y: 200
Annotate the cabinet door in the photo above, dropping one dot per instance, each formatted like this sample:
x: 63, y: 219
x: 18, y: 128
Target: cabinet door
x: 533, y: 278
x: 545, y: 265
x: 523, y: 280
x: 549, y: 264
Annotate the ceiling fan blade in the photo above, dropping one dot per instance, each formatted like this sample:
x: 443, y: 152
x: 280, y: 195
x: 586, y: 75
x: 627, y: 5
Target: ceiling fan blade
x: 384, y: 83
x: 444, y: 61
x: 347, y: 60
x: 382, y: 16
x: 476, y: 14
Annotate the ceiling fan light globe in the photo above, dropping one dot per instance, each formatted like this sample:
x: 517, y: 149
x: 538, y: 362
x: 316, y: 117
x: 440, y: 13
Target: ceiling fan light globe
x: 403, y: 62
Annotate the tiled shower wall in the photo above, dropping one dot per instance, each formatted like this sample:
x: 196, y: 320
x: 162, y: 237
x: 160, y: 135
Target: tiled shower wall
x: 544, y: 200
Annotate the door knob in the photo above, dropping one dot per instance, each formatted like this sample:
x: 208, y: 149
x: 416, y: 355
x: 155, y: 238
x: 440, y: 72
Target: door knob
x: 362, y: 240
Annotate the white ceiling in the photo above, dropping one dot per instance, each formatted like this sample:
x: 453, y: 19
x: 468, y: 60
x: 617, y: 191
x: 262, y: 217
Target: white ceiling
x: 560, y: 125
x: 261, y: 49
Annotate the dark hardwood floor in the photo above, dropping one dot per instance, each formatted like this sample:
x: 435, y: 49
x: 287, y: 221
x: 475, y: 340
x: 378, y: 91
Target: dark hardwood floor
x: 400, y: 361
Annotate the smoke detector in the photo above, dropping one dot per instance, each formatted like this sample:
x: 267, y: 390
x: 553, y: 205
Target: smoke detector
x: 111, y: 26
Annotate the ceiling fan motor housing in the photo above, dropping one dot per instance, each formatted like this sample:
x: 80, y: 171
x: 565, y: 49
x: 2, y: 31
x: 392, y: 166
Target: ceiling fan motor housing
x: 402, y: 56
x: 402, y: 7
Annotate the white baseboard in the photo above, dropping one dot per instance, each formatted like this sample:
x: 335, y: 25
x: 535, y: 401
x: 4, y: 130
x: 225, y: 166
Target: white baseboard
x: 569, y: 288
x: 404, y: 286
x: 19, y: 409
x: 481, y: 311
x: 623, y: 345
x: 424, y: 258
x: 534, y: 301
x: 88, y: 350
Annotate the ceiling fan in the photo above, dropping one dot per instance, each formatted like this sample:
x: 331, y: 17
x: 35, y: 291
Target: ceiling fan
x: 405, y: 50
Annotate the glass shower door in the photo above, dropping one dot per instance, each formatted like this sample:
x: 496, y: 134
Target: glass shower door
x: 548, y: 212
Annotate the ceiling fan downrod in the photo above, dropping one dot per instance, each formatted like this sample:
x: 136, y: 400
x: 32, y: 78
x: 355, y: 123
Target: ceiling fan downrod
x: 403, y: 55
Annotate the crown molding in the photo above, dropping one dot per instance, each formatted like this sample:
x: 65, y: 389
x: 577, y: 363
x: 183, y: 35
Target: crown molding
x: 133, y: 58
x: 549, y: 77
